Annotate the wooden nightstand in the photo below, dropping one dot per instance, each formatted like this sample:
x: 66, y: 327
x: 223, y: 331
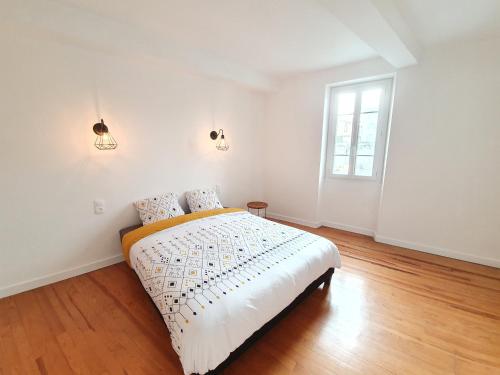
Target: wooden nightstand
x: 257, y: 206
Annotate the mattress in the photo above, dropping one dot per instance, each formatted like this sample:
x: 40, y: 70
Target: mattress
x: 218, y: 279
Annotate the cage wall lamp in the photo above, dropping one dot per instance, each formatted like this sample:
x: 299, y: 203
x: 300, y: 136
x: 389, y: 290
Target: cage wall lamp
x: 104, y: 140
x: 221, y: 143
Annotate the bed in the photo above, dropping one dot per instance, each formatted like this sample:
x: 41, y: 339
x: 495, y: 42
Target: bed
x: 220, y: 278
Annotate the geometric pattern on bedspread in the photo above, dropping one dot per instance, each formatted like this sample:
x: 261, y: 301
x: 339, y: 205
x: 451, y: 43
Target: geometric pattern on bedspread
x: 186, y: 271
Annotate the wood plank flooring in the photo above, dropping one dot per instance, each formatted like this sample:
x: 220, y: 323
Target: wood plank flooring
x: 388, y: 311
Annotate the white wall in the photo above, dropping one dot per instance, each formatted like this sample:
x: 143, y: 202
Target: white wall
x: 51, y: 95
x: 441, y: 190
x: 442, y: 186
x: 293, y: 155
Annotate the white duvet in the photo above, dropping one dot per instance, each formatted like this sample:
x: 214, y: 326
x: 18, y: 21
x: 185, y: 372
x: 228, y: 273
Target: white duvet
x: 219, y: 279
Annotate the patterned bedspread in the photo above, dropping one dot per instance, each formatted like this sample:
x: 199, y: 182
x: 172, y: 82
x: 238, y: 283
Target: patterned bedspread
x: 218, y: 279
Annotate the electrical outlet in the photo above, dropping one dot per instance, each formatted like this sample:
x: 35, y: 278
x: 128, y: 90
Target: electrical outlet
x: 99, y: 207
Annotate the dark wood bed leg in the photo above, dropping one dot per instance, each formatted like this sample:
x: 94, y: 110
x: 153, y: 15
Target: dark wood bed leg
x: 328, y: 277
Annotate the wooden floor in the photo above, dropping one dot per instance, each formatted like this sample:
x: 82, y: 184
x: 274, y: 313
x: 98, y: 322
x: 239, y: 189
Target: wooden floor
x: 388, y: 311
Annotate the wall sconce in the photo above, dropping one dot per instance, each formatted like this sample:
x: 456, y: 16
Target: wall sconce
x: 104, y: 140
x: 221, y: 143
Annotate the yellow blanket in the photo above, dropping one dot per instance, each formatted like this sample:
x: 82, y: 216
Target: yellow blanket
x: 132, y: 237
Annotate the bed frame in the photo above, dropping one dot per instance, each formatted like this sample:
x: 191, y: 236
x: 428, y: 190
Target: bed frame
x: 323, y: 279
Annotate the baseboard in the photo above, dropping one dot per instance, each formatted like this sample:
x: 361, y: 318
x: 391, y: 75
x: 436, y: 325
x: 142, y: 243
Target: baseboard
x: 349, y: 228
x: 439, y: 251
x: 58, y: 276
x: 295, y: 220
x: 317, y: 224
x: 71, y: 272
x: 391, y: 241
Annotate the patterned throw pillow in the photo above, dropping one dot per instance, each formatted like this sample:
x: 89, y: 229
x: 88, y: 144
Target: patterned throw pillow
x: 202, y: 199
x: 158, y: 208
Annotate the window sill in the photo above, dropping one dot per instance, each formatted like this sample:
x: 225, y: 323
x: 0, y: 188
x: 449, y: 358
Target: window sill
x: 351, y: 178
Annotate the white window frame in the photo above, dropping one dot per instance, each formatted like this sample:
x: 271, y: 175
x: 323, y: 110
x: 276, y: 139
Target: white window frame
x: 386, y: 84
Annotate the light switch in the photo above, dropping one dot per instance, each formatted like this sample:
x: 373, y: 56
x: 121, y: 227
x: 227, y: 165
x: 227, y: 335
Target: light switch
x: 99, y: 206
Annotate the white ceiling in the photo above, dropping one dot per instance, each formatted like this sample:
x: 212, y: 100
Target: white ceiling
x: 275, y: 37
x: 258, y: 41
x: 441, y: 21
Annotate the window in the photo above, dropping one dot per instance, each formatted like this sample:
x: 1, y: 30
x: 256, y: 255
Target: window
x: 357, y: 128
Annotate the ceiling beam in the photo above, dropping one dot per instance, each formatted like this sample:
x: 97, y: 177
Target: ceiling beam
x: 379, y: 24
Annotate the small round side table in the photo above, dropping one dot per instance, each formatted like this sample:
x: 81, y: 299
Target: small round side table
x: 257, y: 206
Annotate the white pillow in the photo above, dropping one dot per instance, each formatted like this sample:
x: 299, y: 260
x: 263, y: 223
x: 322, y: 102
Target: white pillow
x: 202, y: 199
x: 158, y: 208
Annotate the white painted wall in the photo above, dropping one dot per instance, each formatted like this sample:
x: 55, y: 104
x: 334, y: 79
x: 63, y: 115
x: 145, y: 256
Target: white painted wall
x: 51, y: 95
x: 293, y: 155
x: 437, y: 195
x: 441, y: 190
x: 442, y: 186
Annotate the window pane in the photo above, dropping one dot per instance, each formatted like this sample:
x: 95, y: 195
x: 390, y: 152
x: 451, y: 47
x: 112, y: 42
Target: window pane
x: 364, y: 166
x: 370, y: 100
x: 367, y: 135
x: 345, y: 103
x: 343, y: 135
x: 340, y: 164
x: 342, y: 150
